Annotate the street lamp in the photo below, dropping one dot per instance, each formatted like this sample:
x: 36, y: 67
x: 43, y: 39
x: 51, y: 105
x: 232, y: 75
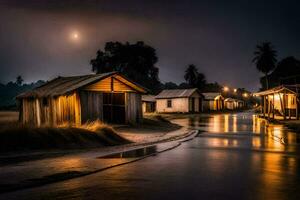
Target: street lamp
x: 234, y: 90
x: 245, y: 94
x: 226, y: 89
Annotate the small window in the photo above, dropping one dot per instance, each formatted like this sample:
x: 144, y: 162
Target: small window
x: 169, y: 103
x: 45, y: 102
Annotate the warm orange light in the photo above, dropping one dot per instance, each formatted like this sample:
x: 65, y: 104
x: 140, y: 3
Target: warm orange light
x: 74, y: 36
x: 226, y: 89
x: 235, y: 90
x: 245, y: 94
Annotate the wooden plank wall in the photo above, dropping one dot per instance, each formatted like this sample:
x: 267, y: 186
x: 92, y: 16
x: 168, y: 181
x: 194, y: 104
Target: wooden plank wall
x: 91, y: 106
x: 133, y: 108
x: 79, y: 107
x: 52, y: 111
x: 105, y: 86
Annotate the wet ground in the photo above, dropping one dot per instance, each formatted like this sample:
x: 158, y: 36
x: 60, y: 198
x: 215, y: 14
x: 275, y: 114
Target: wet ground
x: 235, y: 157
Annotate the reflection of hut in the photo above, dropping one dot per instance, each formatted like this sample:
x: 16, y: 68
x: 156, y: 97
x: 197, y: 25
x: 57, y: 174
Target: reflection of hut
x: 213, y: 101
x: 148, y: 103
x: 281, y: 101
x: 109, y: 97
x: 179, y: 100
x: 233, y: 104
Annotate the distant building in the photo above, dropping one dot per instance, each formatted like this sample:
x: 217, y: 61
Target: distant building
x: 148, y: 103
x: 233, y: 104
x: 109, y: 97
x: 179, y: 101
x: 280, y: 102
x: 213, y: 101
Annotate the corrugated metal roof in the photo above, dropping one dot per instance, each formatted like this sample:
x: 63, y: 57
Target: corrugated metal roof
x: 211, y: 95
x: 63, y: 85
x: 232, y: 99
x: 294, y: 89
x: 176, y: 93
x: 148, y: 98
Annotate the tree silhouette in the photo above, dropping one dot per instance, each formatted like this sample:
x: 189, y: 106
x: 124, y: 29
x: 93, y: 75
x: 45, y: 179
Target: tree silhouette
x: 191, y: 75
x: 136, y: 61
x: 193, y: 78
x: 19, y: 80
x: 201, y: 81
x: 265, y: 59
x: 287, y: 71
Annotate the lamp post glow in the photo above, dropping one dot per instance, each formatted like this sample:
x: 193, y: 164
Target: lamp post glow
x: 234, y: 90
x: 226, y: 89
x: 245, y: 95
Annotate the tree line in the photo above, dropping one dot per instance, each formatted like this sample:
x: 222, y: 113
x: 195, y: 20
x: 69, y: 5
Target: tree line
x: 138, y: 62
x: 9, y: 91
x: 286, y: 71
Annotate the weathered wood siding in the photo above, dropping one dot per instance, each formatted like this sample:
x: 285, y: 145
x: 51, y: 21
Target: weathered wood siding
x: 51, y: 111
x: 67, y: 109
x: 29, y: 111
x: 110, y: 84
x: 91, y: 106
x: 133, y: 108
x: 85, y: 104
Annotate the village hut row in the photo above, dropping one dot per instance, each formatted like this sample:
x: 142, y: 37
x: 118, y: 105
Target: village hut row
x: 188, y: 100
x: 111, y: 98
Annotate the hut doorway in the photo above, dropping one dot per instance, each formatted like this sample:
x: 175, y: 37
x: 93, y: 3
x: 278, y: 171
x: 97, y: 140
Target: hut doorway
x: 114, y: 108
x: 192, y: 104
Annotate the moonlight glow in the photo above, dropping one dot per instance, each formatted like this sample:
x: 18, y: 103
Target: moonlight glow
x: 74, y: 36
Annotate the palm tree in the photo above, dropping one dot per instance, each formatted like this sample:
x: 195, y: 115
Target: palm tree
x: 265, y: 59
x: 201, y: 81
x: 191, y: 75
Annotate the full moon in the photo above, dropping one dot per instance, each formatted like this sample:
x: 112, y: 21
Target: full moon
x: 75, y: 36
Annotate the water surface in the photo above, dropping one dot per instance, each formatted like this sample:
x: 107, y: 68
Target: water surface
x: 236, y: 156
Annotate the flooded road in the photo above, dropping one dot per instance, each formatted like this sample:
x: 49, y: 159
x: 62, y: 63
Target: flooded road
x: 236, y: 156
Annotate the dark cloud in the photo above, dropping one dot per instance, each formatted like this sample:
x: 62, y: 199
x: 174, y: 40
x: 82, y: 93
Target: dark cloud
x: 218, y: 37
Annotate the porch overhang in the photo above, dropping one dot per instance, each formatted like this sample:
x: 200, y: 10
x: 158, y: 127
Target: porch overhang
x: 279, y: 89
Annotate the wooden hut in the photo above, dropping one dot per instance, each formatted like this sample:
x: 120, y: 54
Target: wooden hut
x: 179, y: 101
x: 233, y: 104
x: 148, y: 103
x: 280, y: 102
x: 109, y: 97
x: 213, y: 101
x: 230, y: 103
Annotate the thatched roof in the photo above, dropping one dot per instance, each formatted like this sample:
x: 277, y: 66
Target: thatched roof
x: 64, y: 85
x: 212, y: 95
x: 148, y: 98
x: 177, y: 93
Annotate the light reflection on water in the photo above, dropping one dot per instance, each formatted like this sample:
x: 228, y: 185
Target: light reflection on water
x: 263, y: 135
x: 204, y: 167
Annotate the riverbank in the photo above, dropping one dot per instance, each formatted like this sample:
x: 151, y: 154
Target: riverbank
x: 19, y: 138
x: 67, y: 165
x: 20, y: 143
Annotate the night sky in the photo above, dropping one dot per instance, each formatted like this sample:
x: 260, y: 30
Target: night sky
x: 43, y: 39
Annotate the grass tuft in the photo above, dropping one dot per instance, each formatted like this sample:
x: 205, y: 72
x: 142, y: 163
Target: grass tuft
x: 18, y: 137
